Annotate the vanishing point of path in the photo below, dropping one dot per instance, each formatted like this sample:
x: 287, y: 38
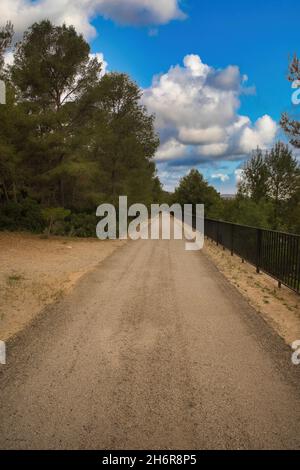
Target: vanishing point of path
x: 155, y: 350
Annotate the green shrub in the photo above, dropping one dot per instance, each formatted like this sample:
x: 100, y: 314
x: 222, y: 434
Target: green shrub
x: 24, y: 215
x: 55, y: 217
x: 81, y: 225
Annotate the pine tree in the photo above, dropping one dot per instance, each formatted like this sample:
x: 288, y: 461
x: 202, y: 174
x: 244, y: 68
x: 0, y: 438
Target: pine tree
x: 51, y: 70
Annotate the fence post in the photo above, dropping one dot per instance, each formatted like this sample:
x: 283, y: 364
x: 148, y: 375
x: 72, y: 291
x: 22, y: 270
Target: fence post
x: 258, y: 249
x: 232, y: 239
x: 217, y: 233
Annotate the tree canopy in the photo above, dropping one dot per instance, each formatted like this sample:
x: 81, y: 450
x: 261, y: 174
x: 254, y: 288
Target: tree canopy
x: 193, y: 189
x: 71, y: 137
x: 271, y: 179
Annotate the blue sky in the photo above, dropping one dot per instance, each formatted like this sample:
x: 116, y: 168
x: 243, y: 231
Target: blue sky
x: 256, y: 36
x: 220, y: 69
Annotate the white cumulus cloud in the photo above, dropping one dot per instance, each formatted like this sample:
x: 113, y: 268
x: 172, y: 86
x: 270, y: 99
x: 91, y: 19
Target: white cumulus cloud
x: 197, y: 113
x: 80, y: 13
x: 190, y: 135
x: 171, y: 149
x: 258, y: 135
x: 220, y: 176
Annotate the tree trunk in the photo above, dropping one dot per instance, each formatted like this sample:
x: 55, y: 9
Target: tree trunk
x: 5, y: 191
x: 15, y: 192
x: 62, y: 192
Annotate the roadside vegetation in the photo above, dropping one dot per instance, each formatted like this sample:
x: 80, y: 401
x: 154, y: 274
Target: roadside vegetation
x: 72, y: 137
x: 268, y: 193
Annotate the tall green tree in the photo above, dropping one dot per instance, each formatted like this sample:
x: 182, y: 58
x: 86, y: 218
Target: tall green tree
x: 71, y: 138
x: 10, y: 132
x: 52, y: 65
x: 255, y: 177
x: 270, y: 179
x: 12, y: 137
x: 193, y: 189
x: 122, y: 140
x: 284, y: 178
x: 51, y: 70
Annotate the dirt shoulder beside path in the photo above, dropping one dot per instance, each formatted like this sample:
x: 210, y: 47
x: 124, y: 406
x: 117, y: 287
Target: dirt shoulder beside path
x: 279, y: 307
x: 34, y: 272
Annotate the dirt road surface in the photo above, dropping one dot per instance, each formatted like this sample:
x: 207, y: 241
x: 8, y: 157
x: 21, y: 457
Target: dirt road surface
x: 154, y: 349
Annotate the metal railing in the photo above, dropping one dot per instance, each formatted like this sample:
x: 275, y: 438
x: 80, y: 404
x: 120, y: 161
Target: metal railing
x: 275, y: 253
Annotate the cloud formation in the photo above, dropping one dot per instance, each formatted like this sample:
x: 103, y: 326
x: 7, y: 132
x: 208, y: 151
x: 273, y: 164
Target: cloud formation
x: 220, y: 176
x: 80, y: 13
x: 196, y: 108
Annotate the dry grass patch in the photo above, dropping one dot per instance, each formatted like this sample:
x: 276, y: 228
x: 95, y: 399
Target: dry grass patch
x: 279, y: 307
x: 35, y: 271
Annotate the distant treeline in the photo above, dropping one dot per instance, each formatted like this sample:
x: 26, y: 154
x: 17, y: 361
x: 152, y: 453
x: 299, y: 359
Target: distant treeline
x: 268, y: 193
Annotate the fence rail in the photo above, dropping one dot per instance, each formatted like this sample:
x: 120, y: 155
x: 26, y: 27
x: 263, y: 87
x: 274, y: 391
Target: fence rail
x: 275, y: 253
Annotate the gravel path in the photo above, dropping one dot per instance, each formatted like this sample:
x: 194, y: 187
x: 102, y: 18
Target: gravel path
x: 153, y: 349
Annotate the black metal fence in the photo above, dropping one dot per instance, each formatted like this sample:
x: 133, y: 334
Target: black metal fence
x: 275, y: 253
